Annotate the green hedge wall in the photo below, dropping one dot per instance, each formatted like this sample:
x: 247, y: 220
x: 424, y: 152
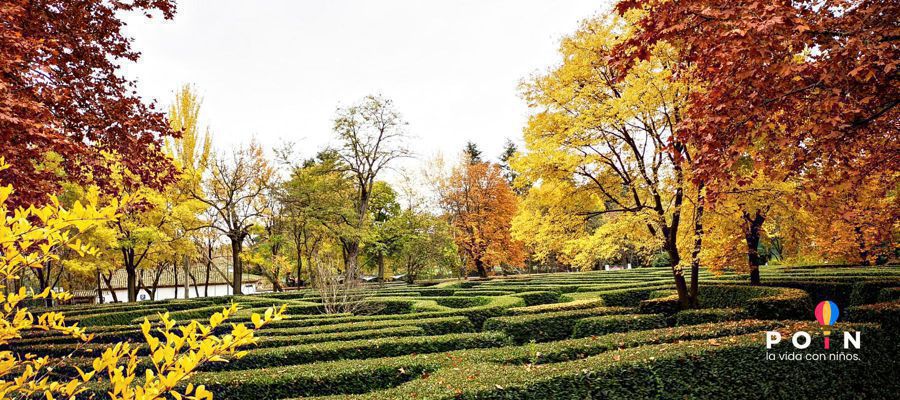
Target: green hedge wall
x: 727, y: 368
x: 319, y: 379
x: 705, y: 315
x: 397, y: 331
x: 431, y: 326
x: 356, y: 349
x: 538, y: 297
x: 568, y: 306
x: 546, y: 326
x: 606, y: 324
x: 887, y: 314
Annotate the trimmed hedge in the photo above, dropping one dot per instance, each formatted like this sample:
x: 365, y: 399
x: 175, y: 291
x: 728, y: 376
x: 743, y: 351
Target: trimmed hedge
x: 538, y: 297
x: 732, y: 367
x: 396, y: 331
x: 887, y: 314
x: 660, y: 305
x: 572, y: 305
x: 461, y: 301
x: 606, y: 324
x: 318, y: 379
x: 119, y: 318
x: 705, y: 315
x: 628, y: 297
x: 431, y: 326
x: 547, y: 326
x: 787, y: 304
x: 889, y: 294
x: 356, y: 349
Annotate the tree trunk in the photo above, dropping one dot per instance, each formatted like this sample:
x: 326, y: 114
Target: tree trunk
x: 187, y: 273
x: 237, y: 279
x: 209, y: 253
x: 112, y: 292
x: 175, y: 273
x: 132, y: 283
x: 99, y: 289
x: 752, y: 236
x: 351, y: 256
x: 380, y: 262
x: 479, y: 265
x: 299, y: 282
x: 695, y: 253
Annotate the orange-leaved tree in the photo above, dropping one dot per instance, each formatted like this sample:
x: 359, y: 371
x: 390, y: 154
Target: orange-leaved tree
x: 480, y: 205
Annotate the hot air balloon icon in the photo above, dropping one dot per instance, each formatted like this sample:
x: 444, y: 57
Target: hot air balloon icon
x: 827, y: 314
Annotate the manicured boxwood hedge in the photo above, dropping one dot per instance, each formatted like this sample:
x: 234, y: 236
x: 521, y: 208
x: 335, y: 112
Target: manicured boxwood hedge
x: 888, y: 294
x: 118, y: 318
x: 629, y: 297
x: 356, y: 349
x: 567, y: 306
x: 574, y: 349
x: 396, y: 331
x: 887, y: 314
x: 431, y: 326
x: 786, y: 304
x: 318, y: 379
x: 667, y: 305
x: 546, y: 326
x: 538, y: 297
x: 606, y: 324
x: 704, y: 315
x: 461, y: 301
x: 729, y: 367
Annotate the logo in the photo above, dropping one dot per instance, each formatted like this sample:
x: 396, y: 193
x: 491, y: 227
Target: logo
x: 827, y: 313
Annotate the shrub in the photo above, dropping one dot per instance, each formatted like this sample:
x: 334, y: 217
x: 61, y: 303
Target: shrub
x: 628, y: 297
x: 710, y: 368
x: 572, y: 305
x: 355, y: 349
x: 318, y: 379
x: 396, y: 331
x: 538, y: 297
x: 889, y: 294
x: 602, y: 325
x: 661, y: 305
x: 705, y: 315
x: 887, y: 314
x: 461, y: 301
x: 119, y: 318
x: 547, y: 326
x: 482, y: 292
x: 786, y: 304
x: 431, y: 326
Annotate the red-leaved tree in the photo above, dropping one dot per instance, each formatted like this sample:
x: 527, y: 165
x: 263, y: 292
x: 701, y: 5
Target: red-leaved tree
x: 806, y: 87
x: 61, y: 91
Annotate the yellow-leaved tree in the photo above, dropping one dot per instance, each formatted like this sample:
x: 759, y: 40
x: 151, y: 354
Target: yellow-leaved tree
x: 29, y: 238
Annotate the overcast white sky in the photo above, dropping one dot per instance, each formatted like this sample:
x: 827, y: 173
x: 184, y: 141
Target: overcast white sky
x: 277, y: 70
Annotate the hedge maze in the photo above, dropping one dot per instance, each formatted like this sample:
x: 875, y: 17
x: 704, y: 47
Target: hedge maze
x: 573, y: 336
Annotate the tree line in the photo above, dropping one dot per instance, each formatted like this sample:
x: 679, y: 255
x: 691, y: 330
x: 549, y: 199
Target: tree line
x: 681, y: 135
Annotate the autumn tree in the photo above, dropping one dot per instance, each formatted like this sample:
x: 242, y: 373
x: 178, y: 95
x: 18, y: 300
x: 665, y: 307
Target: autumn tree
x: 424, y: 243
x: 317, y: 204
x: 610, y: 134
x: 28, y: 237
x: 235, y: 189
x: 479, y: 205
x: 798, y: 87
x: 61, y: 92
x: 191, y: 153
x: 371, y: 135
x: 383, y: 236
